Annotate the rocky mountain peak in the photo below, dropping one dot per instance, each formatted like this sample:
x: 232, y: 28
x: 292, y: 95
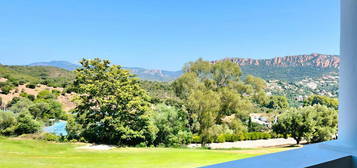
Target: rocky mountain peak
x: 314, y: 60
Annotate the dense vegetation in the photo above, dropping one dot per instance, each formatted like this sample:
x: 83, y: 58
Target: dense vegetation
x: 210, y: 102
x: 288, y: 73
x: 26, y: 116
x: 32, y: 75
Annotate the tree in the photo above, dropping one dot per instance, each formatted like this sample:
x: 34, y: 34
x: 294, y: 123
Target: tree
x: 233, y: 103
x: 44, y: 109
x: 257, y: 83
x: 322, y: 100
x: 171, y: 124
x: 326, y: 123
x: 223, y: 72
x: 26, y: 125
x: 205, y: 106
x: 216, y: 98
x: 277, y: 102
x: 112, y: 106
x: 22, y: 105
x: 7, y: 123
x: 298, y: 123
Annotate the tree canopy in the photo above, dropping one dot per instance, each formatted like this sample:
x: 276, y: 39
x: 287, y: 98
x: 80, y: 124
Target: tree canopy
x: 112, y: 106
x: 216, y: 97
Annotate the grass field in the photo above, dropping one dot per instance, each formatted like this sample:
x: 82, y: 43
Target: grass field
x: 39, y: 154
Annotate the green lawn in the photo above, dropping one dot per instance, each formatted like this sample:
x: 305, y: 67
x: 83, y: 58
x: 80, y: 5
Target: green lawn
x: 38, y: 154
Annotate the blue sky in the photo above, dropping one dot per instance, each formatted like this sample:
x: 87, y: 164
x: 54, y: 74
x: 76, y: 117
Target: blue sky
x: 165, y: 34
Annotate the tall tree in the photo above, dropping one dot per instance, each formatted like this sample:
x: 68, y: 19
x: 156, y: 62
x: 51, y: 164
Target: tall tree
x: 216, y: 97
x: 205, y: 106
x: 112, y: 106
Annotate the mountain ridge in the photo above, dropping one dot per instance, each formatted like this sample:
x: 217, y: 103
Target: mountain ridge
x: 288, y: 68
x: 314, y: 59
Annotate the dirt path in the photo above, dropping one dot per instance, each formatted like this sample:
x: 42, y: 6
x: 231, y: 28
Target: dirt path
x: 250, y: 144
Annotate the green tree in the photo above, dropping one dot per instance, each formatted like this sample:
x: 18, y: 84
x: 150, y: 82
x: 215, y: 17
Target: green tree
x: 216, y: 97
x: 7, y: 123
x: 322, y: 100
x: 277, y: 102
x: 224, y: 72
x: 233, y: 103
x: 171, y: 124
x: 73, y: 128
x: 26, y: 125
x: 22, y: 105
x: 326, y: 123
x: 112, y: 106
x: 257, y: 83
x: 44, y: 109
x: 205, y: 106
x: 298, y: 123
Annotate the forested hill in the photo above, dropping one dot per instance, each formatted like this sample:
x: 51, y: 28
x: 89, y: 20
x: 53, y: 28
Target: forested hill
x: 288, y: 68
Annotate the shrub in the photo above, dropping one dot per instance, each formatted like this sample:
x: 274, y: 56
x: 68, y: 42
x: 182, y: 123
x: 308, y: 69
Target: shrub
x: 56, y: 92
x: 26, y: 125
x: 7, y: 123
x: 196, y: 139
x: 229, y: 137
x: 31, y: 97
x: 21, y: 105
x: 6, y: 89
x: 13, y: 101
x: 31, y: 85
x: 73, y: 140
x: 46, y: 94
x: 49, y: 137
x: 220, y: 138
x: 22, y: 82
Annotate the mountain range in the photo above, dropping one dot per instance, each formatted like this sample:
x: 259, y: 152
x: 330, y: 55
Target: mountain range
x: 288, y: 68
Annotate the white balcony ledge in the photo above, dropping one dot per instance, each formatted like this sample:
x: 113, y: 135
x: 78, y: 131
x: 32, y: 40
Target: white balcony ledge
x: 326, y: 154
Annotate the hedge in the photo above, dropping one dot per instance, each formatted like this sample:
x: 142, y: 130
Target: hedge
x: 238, y: 137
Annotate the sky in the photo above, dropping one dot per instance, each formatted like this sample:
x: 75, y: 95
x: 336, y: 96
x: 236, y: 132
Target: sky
x: 165, y: 34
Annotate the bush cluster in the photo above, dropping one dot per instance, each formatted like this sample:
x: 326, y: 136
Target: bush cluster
x: 238, y: 137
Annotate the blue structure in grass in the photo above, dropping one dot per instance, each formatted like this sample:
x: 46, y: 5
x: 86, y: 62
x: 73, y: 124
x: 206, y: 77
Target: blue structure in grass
x: 58, y: 128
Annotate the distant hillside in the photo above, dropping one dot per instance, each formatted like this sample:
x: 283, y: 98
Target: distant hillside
x: 155, y: 74
x: 59, y: 64
x: 142, y: 73
x: 52, y: 75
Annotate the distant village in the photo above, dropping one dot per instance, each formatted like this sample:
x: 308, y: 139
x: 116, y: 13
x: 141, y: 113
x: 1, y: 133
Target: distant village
x: 297, y: 91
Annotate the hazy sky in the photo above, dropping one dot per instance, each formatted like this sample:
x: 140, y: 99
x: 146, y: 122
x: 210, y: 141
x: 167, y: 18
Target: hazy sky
x: 164, y: 34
